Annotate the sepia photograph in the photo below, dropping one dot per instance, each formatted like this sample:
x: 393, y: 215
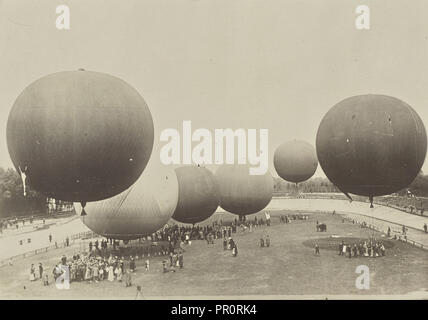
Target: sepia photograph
x: 213, y: 150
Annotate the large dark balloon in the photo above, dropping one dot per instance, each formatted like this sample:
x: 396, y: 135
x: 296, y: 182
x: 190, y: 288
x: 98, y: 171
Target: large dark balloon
x: 242, y: 193
x: 80, y: 135
x: 139, y: 211
x: 295, y: 161
x: 371, y: 145
x: 198, y: 195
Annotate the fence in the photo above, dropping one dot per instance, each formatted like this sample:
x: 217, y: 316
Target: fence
x: 377, y: 201
x: 159, y: 248
x: 137, y: 249
x: 73, y: 238
x: 396, y: 232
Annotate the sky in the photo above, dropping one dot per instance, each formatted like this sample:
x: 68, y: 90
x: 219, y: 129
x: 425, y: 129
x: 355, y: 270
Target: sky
x: 272, y: 64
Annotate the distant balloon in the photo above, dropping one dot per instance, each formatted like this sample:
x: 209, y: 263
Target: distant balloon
x: 198, y: 196
x: 80, y: 135
x: 295, y: 161
x: 371, y: 145
x: 139, y: 211
x: 242, y: 193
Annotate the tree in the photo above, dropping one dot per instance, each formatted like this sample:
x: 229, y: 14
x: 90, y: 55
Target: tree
x: 12, y: 200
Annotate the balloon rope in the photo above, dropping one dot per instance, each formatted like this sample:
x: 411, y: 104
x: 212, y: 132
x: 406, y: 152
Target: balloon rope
x: 23, y: 178
x: 111, y: 216
x: 126, y: 196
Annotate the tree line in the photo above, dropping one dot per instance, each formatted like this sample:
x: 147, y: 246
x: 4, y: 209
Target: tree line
x: 313, y: 185
x: 419, y: 187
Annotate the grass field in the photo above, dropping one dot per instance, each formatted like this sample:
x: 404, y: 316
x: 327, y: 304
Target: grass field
x: 288, y: 267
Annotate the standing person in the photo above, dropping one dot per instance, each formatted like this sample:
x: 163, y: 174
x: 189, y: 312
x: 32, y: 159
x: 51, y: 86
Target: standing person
x: 317, y: 249
x: 147, y: 265
x: 88, y: 274
x: 32, y: 273
x: 118, y: 273
x: 235, y: 250
x: 90, y: 246
x: 171, y: 254
x: 262, y: 242
x: 132, y: 265
x: 224, y: 243
x: 128, y: 278
x: 231, y: 243
x: 95, y: 272
x: 50, y: 238
x: 164, y: 266
x: 354, y: 250
x: 54, y: 272
x: 267, y: 215
x: 180, y: 260
x: 425, y: 228
x: 110, y: 273
x: 67, y: 242
x: 267, y: 241
x: 46, y: 280
x: 40, y: 271
x: 101, y: 272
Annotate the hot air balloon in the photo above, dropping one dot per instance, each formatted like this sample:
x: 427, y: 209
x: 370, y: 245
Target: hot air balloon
x: 242, y: 193
x: 198, y: 195
x: 295, y: 161
x: 371, y: 145
x: 80, y: 135
x: 139, y: 211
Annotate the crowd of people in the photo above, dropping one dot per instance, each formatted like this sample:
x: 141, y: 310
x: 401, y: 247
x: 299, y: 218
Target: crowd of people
x: 176, y: 260
x: 102, y: 263
x: 369, y: 248
x: 88, y: 267
x: 92, y: 268
x: 287, y: 218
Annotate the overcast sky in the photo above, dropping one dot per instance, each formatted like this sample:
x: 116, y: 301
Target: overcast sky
x: 224, y: 63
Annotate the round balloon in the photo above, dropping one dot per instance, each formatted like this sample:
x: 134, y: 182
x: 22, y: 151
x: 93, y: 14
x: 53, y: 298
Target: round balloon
x: 242, y: 193
x: 80, y: 135
x: 371, y: 145
x: 139, y: 211
x: 198, y: 195
x: 295, y: 161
